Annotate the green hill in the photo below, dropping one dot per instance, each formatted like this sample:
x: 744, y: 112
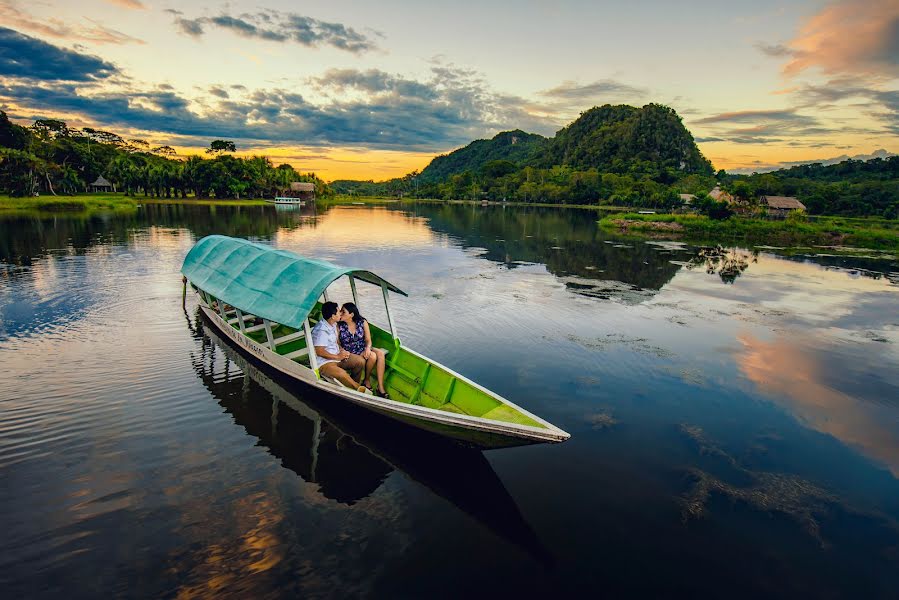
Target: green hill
x: 626, y: 139
x: 517, y: 147
x: 622, y: 139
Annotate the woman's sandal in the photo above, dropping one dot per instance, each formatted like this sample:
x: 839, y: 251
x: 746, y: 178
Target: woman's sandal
x: 383, y: 394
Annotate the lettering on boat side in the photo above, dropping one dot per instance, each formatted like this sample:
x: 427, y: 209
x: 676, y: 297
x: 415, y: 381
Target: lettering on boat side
x: 240, y: 339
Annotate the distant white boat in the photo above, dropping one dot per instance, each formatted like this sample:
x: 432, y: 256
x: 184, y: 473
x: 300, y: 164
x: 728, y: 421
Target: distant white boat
x: 286, y: 200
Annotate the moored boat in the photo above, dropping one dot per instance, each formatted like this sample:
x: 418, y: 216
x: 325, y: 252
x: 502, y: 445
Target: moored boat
x: 266, y: 302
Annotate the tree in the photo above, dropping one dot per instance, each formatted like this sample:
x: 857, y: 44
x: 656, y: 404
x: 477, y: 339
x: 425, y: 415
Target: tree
x: 216, y: 147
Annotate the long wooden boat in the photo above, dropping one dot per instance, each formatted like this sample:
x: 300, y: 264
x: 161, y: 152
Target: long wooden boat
x: 266, y: 301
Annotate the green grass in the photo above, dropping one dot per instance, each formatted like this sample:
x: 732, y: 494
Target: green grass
x: 68, y: 204
x: 881, y: 234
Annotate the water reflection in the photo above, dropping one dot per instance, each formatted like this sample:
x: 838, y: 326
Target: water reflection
x: 348, y: 452
x: 820, y: 383
x: 569, y: 243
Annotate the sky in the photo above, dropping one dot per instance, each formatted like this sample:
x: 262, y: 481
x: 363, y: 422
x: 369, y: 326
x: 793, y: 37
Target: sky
x: 373, y: 90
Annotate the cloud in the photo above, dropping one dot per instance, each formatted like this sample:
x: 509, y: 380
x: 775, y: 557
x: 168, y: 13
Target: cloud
x: 759, y: 166
x: 96, y: 33
x: 370, y: 109
x: 570, y: 90
x: 372, y: 81
x: 849, y: 37
x: 774, y: 50
x: 134, y: 4
x: 756, y: 116
x: 765, y: 126
x: 277, y: 26
x: 219, y: 92
x: 27, y: 57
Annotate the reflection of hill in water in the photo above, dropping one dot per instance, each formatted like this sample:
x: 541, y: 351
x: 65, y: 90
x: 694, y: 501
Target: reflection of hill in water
x: 568, y: 241
x: 348, y: 451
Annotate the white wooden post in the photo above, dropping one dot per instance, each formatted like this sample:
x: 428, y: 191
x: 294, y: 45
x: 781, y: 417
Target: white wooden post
x: 221, y: 306
x: 243, y: 328
x: 387, y: 308
x: 313, y: 357
x: 268, y: 334
x: 353, y: 290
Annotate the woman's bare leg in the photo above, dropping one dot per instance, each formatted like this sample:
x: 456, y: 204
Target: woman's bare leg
x: 382, y: 365
x: 369, y: 365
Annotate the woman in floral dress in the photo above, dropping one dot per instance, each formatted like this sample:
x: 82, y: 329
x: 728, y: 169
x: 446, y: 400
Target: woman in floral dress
x: 355, y: 337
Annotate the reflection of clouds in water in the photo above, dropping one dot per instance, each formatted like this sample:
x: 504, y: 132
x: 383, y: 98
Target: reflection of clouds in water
x: 350, y: 229
x: 801, y: 292
x: 796, y: 376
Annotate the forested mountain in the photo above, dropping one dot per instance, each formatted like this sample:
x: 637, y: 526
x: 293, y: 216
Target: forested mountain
x: 515, y: 147
x: 626, y: 139
x: 52, y: 158
x: 620, y: 139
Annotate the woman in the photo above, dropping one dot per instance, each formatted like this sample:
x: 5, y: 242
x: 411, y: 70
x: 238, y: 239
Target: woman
x: 354, y: 336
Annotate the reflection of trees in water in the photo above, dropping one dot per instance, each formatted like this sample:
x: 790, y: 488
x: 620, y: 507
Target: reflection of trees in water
x: 728, y: 263
x: 23, y: 238
x: 567, y: 241
x: 348, y: 451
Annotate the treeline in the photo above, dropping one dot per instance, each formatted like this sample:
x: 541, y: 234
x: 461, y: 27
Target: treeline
x: 849, y: 188
x: 51, y: 158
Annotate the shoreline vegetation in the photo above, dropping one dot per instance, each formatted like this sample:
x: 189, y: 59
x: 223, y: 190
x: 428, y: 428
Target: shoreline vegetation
x: 846, y: 232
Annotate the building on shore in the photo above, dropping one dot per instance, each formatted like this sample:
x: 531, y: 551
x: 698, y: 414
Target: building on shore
x: 303, y: 190
x: 101, y: 185
x: 780, y: 206
x: 719, y: 195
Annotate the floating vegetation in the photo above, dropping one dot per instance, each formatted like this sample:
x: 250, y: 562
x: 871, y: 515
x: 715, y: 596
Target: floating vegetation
x: 615, y: 339
x: 784, y: 493
x: 602, y: 420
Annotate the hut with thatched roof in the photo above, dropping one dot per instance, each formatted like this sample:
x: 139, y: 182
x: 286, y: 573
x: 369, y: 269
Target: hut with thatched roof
x: 780, y: 206
x: 719, y: 195
x: 101, y: 185
x: 303, y: 190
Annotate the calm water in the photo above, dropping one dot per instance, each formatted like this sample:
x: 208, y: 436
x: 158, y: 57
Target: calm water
x: 734, y: 417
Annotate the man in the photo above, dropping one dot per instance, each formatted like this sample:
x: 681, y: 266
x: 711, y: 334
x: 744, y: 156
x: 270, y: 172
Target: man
x: 332, y: 360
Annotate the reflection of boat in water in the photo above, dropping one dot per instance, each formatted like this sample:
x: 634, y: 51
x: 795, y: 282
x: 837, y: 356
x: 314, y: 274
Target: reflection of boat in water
x: 349, y: 452
x: 266, y: 300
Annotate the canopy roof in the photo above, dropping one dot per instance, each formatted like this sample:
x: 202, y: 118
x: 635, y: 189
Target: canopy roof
x: 274, y: 284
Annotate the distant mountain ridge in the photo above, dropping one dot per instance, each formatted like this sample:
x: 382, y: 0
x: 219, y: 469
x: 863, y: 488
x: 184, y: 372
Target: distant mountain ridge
x: 616, y: 139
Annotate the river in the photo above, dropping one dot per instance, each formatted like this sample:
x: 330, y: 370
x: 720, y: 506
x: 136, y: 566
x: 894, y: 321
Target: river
x: 734, y: 416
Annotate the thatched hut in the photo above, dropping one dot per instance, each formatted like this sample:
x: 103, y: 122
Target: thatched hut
x: 101, y: 185
x: 780, y: 206
x: 719, y: 195
x: 303, y: 190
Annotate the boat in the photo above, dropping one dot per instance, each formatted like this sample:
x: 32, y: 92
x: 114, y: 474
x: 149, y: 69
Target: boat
x: 286, y: 200
x: 266, y: 301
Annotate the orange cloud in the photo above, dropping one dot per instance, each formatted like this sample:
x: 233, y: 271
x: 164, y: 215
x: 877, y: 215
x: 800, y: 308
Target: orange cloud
x: 852, y: 36
x: 17, y: 18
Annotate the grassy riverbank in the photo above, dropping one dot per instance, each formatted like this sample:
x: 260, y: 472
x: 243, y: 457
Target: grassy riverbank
x: 882, y: 234
x: 91, y: 203
x: 68, y: 204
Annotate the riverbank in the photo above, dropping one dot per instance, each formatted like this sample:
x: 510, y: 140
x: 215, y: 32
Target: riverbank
x: 879, y: 234
x: 68, y: 204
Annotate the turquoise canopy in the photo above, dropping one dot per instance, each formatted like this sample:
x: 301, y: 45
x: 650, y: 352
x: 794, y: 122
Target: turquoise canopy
x: 259, y: 280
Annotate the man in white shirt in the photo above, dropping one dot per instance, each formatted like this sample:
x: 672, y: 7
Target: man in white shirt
x: 333, y: 361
